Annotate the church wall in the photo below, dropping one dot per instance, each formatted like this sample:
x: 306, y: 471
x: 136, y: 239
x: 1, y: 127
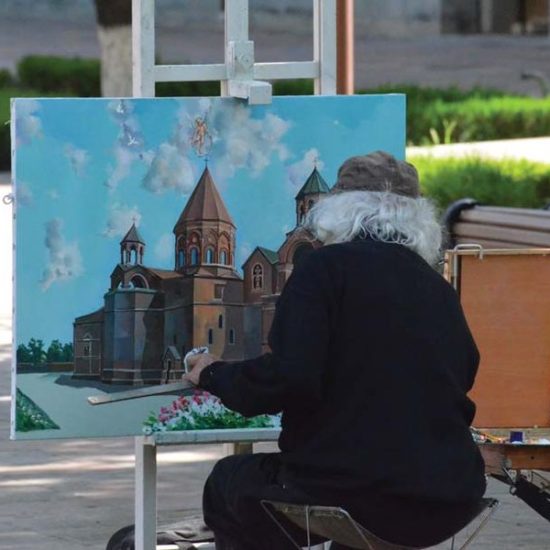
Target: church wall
x: 87, y: 342
x: 212, y: 298
x: 178, y: 317
x: 252, y: 329
x: 134, y: 323
x: 149, y: 336
x: 178, y: 327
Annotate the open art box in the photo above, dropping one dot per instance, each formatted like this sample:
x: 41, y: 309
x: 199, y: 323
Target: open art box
x: 147, y: 227
x: 505, y: 294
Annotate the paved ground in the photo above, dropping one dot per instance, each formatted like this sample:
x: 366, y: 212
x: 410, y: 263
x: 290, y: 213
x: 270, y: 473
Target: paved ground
x: 495, y: 61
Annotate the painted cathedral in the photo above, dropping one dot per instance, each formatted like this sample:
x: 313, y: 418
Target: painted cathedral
x: 151, y: 317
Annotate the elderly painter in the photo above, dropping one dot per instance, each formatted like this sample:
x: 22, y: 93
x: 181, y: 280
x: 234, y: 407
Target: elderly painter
x: 370, y: 363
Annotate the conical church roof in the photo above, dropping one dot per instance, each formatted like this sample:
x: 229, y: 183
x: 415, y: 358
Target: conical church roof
x: 132, y: 236
x: 205, y: 203
x: 314, y: 184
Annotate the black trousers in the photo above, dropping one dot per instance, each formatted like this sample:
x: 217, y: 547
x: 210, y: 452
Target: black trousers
x: 232, y: 509
x: 237, y: 484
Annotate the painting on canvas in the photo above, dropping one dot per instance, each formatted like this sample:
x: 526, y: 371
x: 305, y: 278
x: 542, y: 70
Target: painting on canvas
x: 148, y: 227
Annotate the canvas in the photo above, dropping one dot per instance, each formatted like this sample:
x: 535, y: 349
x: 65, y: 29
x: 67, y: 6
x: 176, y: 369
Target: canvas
x: 147, y: 227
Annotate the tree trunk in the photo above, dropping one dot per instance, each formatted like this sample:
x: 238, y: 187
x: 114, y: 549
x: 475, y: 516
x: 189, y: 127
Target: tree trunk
x: 114, y: 19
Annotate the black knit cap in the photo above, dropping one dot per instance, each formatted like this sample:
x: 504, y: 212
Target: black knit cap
x: 378, y: 171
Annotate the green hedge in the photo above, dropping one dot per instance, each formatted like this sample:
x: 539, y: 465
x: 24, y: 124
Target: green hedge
x: 187, y: 89
x: 419, y: 95
x: 50, y: 74
x: 6, y: 78
x: 518, y: 183
x: 479, y: 119
x: 5, y: 128
x: 5, y: 95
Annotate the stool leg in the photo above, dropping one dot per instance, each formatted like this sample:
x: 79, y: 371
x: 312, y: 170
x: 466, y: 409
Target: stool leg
x: 307, y: 529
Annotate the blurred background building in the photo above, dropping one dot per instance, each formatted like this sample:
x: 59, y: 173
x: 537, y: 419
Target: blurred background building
x: 376, y: 17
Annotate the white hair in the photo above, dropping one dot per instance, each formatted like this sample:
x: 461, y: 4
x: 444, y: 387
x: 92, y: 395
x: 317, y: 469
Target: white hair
x: 380, y: 215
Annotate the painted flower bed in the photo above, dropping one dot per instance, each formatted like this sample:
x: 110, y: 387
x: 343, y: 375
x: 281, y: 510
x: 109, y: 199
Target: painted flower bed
x: 202, y: 411
x: 29, y: 416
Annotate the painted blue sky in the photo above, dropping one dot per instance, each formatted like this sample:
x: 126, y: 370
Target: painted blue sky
x: 86, y: 168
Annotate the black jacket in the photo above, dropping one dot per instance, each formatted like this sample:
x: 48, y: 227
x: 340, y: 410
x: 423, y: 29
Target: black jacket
x: 371, y: 362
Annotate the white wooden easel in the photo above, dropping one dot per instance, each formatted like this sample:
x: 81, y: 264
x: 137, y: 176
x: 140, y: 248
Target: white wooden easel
x: 243, y: 78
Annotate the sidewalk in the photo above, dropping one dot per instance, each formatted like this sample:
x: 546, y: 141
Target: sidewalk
x: 534, y: 149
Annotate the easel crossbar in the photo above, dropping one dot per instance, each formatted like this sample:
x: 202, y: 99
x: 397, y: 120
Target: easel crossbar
x: 218, y: 71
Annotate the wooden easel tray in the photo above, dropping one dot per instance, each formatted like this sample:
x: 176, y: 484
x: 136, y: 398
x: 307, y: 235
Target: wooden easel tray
x: 516, y: 456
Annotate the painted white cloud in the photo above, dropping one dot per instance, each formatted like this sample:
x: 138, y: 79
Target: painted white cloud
x: 23, y: 195
x: 53, y: 194
x: 248, y: 142
x: 120, y: 219
x: 78, y: 159
x: 299, y: 171
x: 123, y: 163
x: 28, y: 123
x: 169, y: 170
x: 64, y: 259
x: 129, y: 146
x: 235, y: 140
x: 164, y: 249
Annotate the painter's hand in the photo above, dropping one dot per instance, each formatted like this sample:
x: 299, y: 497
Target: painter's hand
x: 197, y: 363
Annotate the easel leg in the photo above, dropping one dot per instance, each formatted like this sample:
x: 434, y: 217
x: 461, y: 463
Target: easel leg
x: 146, y: 496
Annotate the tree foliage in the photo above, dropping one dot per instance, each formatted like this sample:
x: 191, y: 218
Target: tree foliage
x: 37, y: 354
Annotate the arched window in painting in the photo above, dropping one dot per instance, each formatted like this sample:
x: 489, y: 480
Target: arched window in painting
x: 194, y: 256
x: 223, y: 257
x: 181, y: 258
x: 232, y: 336
x: 133, y: 256
x: 210, y: 336
x: 220, y: 321
x: 209, y: 256
x: 257, y: 277
x: 138, y: 282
